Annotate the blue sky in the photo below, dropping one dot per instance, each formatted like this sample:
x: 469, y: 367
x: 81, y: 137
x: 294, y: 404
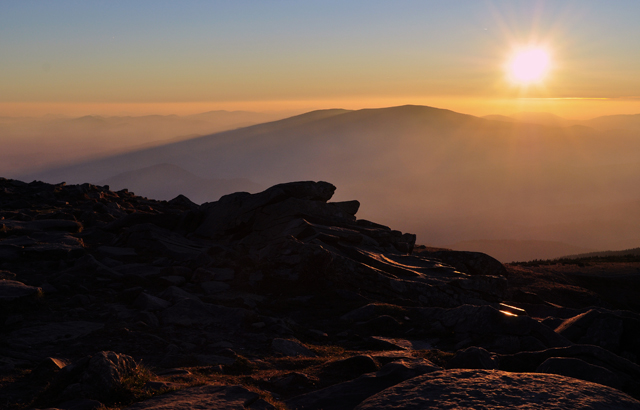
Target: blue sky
x: 242, y: 51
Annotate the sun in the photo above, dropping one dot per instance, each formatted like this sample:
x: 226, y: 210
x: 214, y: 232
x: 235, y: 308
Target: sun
x: 529, y: 66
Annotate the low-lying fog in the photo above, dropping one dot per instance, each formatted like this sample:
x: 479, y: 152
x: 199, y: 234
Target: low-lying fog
x: 522, y: 187
x: 32, y: 143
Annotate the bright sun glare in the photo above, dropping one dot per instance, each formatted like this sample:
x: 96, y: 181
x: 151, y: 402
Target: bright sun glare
x: 528, y: 66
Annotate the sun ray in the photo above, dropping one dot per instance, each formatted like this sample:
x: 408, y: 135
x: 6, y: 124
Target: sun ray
x: 528, y: 66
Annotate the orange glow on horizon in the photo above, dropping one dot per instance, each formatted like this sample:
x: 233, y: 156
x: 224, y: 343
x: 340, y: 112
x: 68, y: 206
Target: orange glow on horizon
x: 578, y: 108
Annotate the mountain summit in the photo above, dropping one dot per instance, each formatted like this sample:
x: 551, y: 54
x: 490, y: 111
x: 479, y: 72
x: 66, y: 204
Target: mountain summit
x: 285, y: 297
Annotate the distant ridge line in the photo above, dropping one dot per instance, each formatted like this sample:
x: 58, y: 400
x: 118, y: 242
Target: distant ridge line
x: 603, y: 254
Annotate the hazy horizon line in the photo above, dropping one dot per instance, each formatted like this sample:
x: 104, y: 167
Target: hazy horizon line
x: 570, y: 107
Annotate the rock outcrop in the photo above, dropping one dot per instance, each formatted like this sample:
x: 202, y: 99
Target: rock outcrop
x: 107, y: 298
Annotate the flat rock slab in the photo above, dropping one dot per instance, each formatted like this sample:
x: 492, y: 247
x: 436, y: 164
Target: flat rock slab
x: 495, y: 389
x: 12, y: 289
x: 291, y: 348
x: 51, y: 333
x: 346, y: 395
x: 203, y: 397
x: 405, y: 344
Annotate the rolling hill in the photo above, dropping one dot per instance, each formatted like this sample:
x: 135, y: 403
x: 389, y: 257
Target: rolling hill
x: 444, y: 175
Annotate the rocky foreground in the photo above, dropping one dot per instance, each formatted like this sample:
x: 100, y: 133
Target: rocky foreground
x: 285, y: 300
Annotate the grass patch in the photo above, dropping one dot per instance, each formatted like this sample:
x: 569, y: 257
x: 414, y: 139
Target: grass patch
x: 332, y: 352
x: 132, y: 387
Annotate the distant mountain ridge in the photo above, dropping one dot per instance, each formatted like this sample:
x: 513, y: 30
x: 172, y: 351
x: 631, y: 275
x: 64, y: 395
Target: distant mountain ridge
x: 29, y: 144
x: 518, y: 250
x: 604, y: 254
x: 444, y: 175
x: 606, y: 122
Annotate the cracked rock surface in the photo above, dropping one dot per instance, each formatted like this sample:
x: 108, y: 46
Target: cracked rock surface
x: 284, y: 299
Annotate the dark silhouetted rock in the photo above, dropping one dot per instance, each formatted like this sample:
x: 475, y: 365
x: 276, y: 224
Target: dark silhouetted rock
x: 205, y: 397
x: 579, y: 369
x: 333, y: 308
x: 625, y: 371
x: 349, y: 368
x: 95, y: 377
x: 473, y: 358
x: 288, y: 347
x: 11, y: 290
x: 346, y: 395
x: 614, y: 331
x: 51, y: 333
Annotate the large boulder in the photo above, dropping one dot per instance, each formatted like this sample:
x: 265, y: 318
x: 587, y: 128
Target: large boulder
x: 617, y: 331
x: 205, y: 397
x: 95, y: 377
x: 494, y: 389
x: 579, y: 369
x: 346, y: 395
x: 488, y: 327
x: 12, y: 290
x: 294, y: 234
x: 595, y: 363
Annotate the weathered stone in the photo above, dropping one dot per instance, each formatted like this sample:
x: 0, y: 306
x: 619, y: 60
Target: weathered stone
x: 480, y: 324
x: 579, y: 369
x: 293, y: 380
x: 214, y: 287
x: 11, y: 290
x: 192, y: 312
x: 396, y: 343
x: 203, y: 397
x: 347, y: 395
x: 95, y: 377
x: 47, y: 368
x: 7, y: 275
x: 381, y: 325
x: 183, y: 201
x: 494, y: 389
x: 151, y: 238
x: 608, y: 329
x: 149, y: 302
x: 628, y: 373
x: 349, y: 368
x: 175, y: 294
x: 472, y: 263
x: 116, y: 252
x: 306, y: 263
x: 291, y: 348
x: 51, y: 333
x: 141, y: 270
x: 80, y: 404
x: 201, y: 275
x: 172, y: 280
x: 28, y: 227
x: 473, y: 358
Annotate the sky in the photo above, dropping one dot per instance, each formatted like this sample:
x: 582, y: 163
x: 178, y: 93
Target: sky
x: 183, y: 57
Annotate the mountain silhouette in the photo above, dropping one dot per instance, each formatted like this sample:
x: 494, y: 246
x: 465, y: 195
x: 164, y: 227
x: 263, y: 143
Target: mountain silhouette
x: 444, y: 175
